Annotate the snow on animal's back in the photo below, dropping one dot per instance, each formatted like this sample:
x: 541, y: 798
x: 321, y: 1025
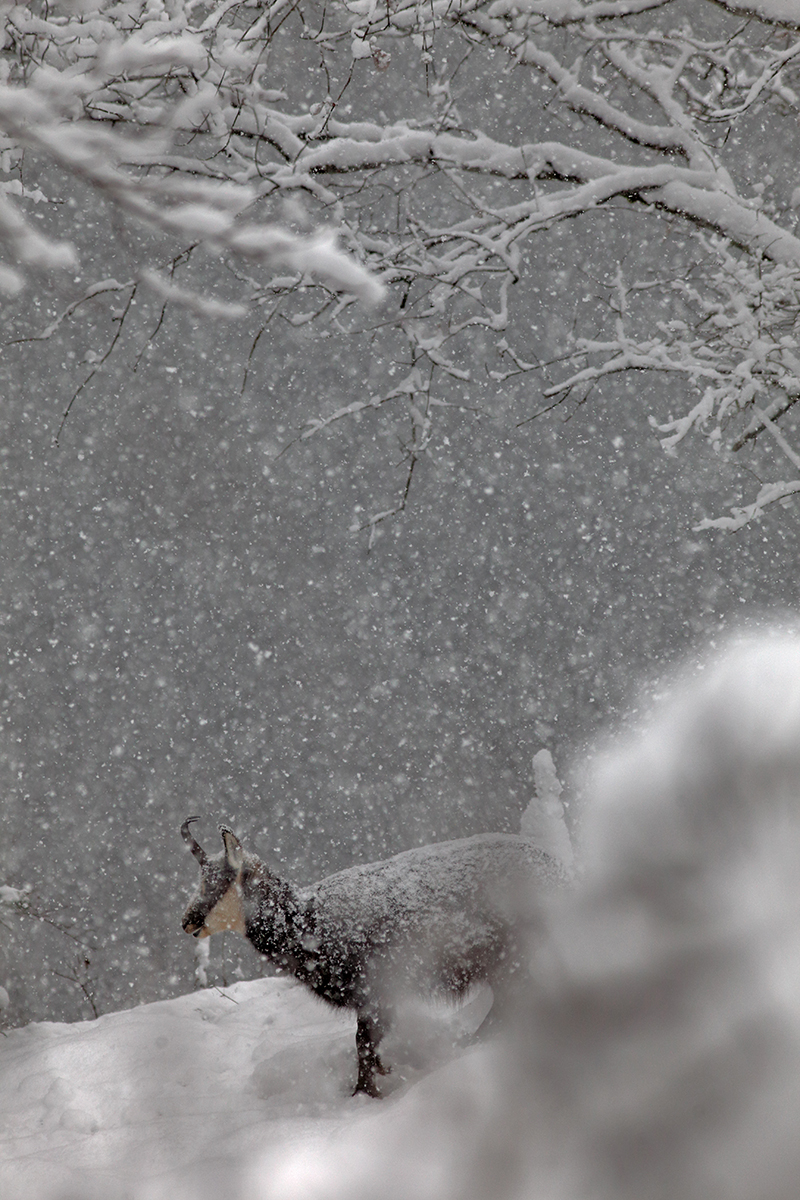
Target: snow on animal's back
x: 467, y: 875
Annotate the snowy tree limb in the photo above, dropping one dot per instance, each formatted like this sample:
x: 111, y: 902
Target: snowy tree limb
x: 179, y: 115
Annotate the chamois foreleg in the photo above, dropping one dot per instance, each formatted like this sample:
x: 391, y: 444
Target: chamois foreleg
x: 369, y: 1031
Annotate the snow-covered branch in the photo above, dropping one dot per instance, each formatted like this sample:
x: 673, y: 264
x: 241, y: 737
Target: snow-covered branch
x: 237, y: 127
x: 55, y: 112
x: 733, y: 346
x: 774, y: 12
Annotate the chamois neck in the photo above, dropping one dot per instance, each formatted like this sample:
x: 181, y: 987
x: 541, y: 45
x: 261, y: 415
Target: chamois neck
x: 276, y: 921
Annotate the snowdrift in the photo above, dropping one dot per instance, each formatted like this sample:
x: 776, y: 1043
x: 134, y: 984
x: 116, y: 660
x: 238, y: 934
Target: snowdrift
x: 183, y: 1096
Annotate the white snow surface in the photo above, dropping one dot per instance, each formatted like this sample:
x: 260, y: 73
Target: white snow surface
x: 165, y: 1101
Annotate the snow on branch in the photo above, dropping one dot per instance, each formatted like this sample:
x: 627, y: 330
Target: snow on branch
x: 568, y: 12
x: 203, y: 306
x: 776, y: 12
x: 730, y: 338
x: 49, y: 115
x: 407, y: 387
x: 770, y: 493
x: 318, y: 256
x: 189, y: 119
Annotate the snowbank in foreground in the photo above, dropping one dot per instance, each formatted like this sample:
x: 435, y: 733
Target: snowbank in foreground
x: 170, y: 1099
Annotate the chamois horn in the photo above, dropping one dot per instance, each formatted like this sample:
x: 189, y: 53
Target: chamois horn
x: 192, y: 842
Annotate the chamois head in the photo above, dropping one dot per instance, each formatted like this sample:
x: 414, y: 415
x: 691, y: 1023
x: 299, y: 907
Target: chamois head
x: 218, y: 902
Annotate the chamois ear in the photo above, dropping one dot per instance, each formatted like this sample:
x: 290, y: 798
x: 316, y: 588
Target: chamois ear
x: 234, y: 851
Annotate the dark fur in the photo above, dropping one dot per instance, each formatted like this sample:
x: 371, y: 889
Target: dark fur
x: 432, y: 920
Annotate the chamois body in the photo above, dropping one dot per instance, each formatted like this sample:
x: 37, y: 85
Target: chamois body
x: 429, y: 921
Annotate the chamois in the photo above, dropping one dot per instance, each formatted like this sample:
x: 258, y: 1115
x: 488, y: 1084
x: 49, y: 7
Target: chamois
x: 434, y: 920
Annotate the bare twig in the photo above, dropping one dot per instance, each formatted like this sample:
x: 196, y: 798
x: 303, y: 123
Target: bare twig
x: 120, y: 322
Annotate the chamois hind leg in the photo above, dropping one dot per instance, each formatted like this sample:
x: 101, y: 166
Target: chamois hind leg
x: 369, y: 1031
x: 508, y: 981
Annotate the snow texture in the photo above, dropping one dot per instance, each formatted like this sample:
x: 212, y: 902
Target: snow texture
x: 782, y: 12
x: 163, y: 1100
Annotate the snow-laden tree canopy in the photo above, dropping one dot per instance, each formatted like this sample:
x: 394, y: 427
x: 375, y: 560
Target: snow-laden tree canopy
x: 282, y: 137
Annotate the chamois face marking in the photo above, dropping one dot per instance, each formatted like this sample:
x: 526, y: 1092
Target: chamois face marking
x: 218, y: 903
x: 227, y: 913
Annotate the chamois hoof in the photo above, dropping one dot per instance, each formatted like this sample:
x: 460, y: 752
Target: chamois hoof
x: 367, y: 1087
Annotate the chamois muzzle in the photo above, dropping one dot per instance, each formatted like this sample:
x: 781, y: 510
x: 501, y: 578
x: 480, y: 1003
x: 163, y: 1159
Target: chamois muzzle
x: 195, y: 847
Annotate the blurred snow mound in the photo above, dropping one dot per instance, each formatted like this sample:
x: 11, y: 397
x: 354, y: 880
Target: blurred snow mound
x: 658, y: 1055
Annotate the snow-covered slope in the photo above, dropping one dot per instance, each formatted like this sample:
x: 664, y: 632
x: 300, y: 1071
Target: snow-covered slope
x: 168, y: 1099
